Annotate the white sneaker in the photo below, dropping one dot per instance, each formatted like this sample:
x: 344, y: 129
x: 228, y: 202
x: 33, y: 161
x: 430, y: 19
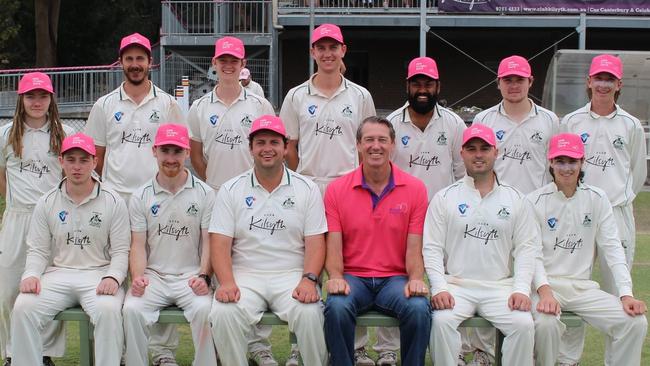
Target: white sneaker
x: 165, y: 361
x: 568, y: 364
x: 294, y: 358
x: 264, y: 358
x: 361, y: 358
x: 461, y: 360
x: 387, y: 358
x: 480, y: 359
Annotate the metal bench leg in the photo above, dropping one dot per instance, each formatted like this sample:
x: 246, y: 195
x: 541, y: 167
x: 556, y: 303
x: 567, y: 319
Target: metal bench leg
x: 497, y: 347
x: 85, y: 344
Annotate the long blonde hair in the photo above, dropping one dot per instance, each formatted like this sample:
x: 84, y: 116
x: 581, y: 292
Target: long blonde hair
x: 18, y: 128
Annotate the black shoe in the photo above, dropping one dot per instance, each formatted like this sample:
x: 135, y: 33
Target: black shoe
x: 7, y: 362
x: 47, y: 361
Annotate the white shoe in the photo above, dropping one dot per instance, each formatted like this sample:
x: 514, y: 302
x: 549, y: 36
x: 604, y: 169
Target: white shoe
x: 294, y: 358
x: 361, y: 358
x: 264, y: 358
x: 165, y: 361
x: 480, y: 359
x: 568, y: 364
x: 461, y: 360
x: 387, y: 358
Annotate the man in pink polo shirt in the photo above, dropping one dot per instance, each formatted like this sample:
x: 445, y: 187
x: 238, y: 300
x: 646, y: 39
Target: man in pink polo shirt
x: 375, y: 216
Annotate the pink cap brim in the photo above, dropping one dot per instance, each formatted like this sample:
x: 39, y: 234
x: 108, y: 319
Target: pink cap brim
x: 172, y: 142
x: 571, y: 154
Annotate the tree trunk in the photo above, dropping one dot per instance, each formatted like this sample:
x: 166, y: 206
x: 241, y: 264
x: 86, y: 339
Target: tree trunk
x: 46, y: 16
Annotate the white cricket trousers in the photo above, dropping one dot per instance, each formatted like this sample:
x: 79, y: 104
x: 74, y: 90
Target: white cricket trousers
x: 13, y: 249
x: 488, y: 299
x: 624, y: 334
x: 140, y: 313
x: 232, y: 323
x: 62, y: 288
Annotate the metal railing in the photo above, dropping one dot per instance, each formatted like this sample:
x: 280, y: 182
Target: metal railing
x: 74, y: 86
x: 215, y: 17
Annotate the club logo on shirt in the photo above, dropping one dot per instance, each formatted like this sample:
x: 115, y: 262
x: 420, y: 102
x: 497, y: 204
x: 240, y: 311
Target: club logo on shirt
x: 482, y: 231
x: 118, y: 116
x: 399, y: 209
x: 155, y: 208
x: 63, y: 215
x: 136, y: 137
x: 155, y: 116
x: 424, y: 160
x: 171, y: 229
x: 96, y: 219
x: 288, y: 203
x: 214, y: 119
x: 618, y: 143
x: 552, y: 222
x: 77, y: 239
x: 193, y: 210
x: 442, y: 139
x: 249, y: 201
x: 462, y: 208
x: 267, y: 223
x: 584, y: 137
x: 515, y: 153
x: 228, y: 139
x: 36, y: 167
x: 586, y: 222
x: 503, y: 213
x: 327, y: 130
x: 601, y: 160
x: 405, y: 140
x: 537, y: 137
x: 569, y: 243
x: 246, y: 121
x: 500, y: 134
x: 347, y: 110
x: 312, y: 109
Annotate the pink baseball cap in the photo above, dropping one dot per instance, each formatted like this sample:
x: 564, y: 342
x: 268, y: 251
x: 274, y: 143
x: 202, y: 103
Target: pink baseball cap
x: 327, y: 31
x: 566, y: 144
x: 423, y: 66
x: 606, y: 63
x: 229, y: 46
x: 479, y: 131
x: 35, y: 80
x: 79, y: 141
x: 172, y: 134
x: 514, y: 65
x: 244, y: 74
x: 270, y: 123
x: 135, y: 39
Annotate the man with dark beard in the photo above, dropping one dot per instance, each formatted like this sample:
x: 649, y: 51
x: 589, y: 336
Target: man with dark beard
x: 428, y: 136
x: 123, y: 124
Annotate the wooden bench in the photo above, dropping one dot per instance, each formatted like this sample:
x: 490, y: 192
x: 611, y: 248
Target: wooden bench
x: 174, y: 315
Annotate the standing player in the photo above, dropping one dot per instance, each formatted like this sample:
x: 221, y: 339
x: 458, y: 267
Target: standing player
x: 29, y: 167
x: 490, y: 220
x: 428, y: 136
x: 575, y: 219
x: 615, y: 161
x: 169, y: 259
x: 268, y: 249
x: 123, y: 124
x: 77, y: 254
x: 249, y: 84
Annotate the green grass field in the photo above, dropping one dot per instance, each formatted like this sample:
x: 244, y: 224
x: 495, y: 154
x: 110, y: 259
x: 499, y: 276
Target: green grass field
x: 594, y: 344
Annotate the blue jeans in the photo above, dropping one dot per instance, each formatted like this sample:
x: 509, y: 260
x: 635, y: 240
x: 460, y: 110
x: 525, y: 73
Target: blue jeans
x: 386, y: 295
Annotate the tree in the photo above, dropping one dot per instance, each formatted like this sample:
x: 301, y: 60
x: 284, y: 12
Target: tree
x: 46, y: 22
x: 8, y: 28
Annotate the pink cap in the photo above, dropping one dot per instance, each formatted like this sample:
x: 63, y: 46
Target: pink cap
x: 327, y: 31
x: 566, y: 144
x: 479, y: 131
x: 514, y: 65
x: 244, y: 74
x: 606, y: 63
x: 423, y: 66
x: 270, y: 123
x: 135, y: 39
x: 229, y: 46
x: 172, y: 134
x: 35, y: 80
x: 79, y: 141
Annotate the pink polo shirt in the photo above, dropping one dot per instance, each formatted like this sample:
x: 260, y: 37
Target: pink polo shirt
x: 374, y: 240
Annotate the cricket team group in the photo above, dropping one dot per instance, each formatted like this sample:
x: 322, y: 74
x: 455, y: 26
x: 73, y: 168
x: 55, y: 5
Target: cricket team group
x: 506, y: 217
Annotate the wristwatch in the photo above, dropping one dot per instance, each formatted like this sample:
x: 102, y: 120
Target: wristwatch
x: 310, y: 276
x: 206, y: 278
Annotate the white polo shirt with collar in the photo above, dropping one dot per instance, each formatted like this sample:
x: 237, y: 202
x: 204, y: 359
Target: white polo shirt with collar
x: 523, y: 147
x: 127, y: 130
x: 433, y: 155
x: 326, y: 127
x: 223, y: 130
x: 268, y: 228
